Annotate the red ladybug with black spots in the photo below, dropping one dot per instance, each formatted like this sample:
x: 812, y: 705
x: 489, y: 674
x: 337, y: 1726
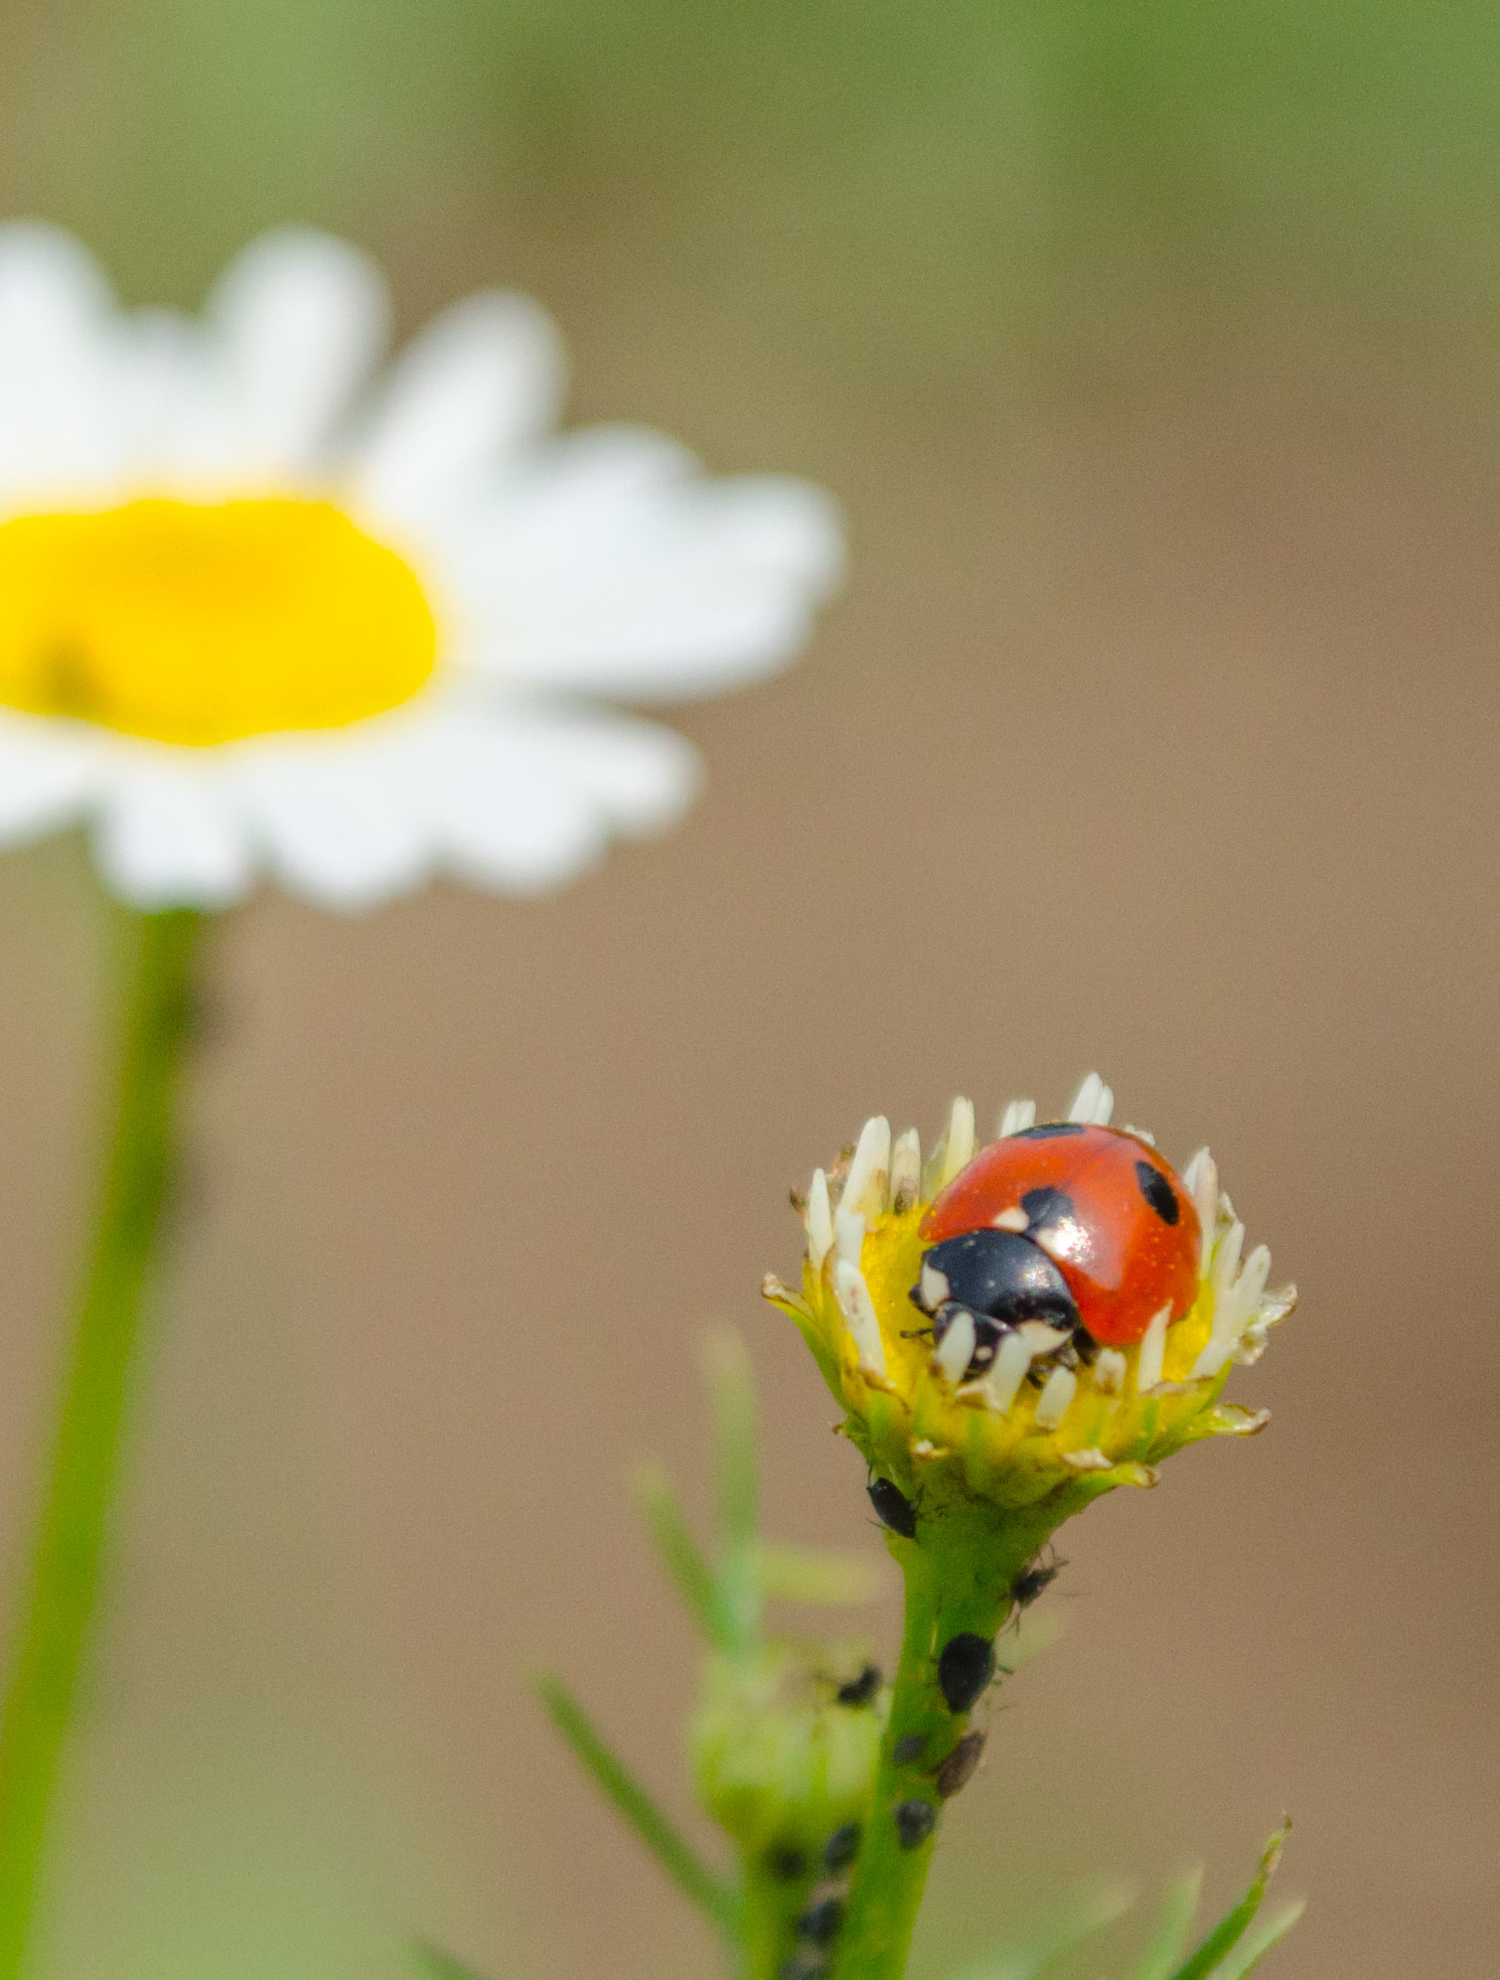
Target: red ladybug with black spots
x: 1083, y: 1228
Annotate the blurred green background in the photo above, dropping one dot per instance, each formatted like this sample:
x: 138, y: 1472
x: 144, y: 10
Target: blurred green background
x: 1154, y: 350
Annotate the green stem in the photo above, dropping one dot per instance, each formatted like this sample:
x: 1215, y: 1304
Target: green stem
x: 770, y: 1908
x: 60, y: 1596
x: 958, y: 1580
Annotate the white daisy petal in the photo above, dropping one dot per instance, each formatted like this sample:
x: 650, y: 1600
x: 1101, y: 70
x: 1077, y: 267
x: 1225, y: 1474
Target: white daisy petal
x: 342, y: 820
x: 179, y: 425
x: 527, y: 799
x: 58, y: 439
x: 301, y: 318
x: 485, y: 376
x: 616, y: 569
x: 168, y: 835
x: 47, y: 772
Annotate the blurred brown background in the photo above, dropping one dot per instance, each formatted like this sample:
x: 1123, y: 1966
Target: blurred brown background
x: 1155, y: 354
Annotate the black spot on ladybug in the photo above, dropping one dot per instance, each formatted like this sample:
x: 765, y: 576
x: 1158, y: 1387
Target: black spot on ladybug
x: 909, y: 1749
x: 915, y: 1822
x: 893, y: 1508
x: 965, y: 1667
x: 1033, y: 1581
x: 958, y: 1769
x: 1158, y: 1192
x: 841, y: 1848
x: 1047, y: 1130
x: 820, y: 1923
x: 860, y: 1690
x: 786, y: 1862
x: 1046, y: 1207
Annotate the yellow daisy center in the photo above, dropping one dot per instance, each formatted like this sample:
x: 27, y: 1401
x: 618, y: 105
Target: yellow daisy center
x: 200, y: 623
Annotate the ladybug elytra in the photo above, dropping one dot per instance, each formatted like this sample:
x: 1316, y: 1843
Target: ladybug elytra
x: 1081, y: 1228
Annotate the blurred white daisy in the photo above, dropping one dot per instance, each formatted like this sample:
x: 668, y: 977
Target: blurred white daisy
x: 262, y: 612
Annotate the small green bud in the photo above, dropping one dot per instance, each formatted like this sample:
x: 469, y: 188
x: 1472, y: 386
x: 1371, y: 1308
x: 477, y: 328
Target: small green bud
x: 785, y: 1747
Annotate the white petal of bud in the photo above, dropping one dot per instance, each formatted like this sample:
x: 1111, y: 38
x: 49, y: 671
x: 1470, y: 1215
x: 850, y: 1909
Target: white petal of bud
x: 819, y: 1221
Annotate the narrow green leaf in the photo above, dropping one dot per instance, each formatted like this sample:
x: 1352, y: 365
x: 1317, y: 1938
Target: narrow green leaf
x: 726, y: 1363
x: 1080, y: 1918
x: 1252, y: 1949
x: 1231, y: 1929
x: 439, y: 1965
x: 677, y: 1857
x: 1169, y: 1941
x: 807, y: 1574
x: 667, y: 1524
x: 731, y: 1391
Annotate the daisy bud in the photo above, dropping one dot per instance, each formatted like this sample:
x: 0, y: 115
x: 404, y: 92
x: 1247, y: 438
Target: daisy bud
x: 983, y: 1355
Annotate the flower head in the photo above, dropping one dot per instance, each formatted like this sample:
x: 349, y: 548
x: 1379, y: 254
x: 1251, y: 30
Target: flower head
x: 261, y: 612
x: 994, y: 1397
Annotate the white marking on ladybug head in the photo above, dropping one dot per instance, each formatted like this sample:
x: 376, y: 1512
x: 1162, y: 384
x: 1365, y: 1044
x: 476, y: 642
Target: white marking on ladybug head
x: 955, y: 1350
x: 1109, y: 1372
x: 958, y: 1143
x: 858, y: 1310
x: 1009, y: 1371
x: 1040, y: 1338
x: 1055, y: 1241
x: 819, y: 1221
x: 848, y: 1235
x: 1012, y: 1220
x: 869, y: 1172
x: 1093, y: 1103
x: 1153, y: 1352
x: 933, y: 1287
x: 1058, y: 1392
x: 1018, y: 1116
x: 906, y: 1170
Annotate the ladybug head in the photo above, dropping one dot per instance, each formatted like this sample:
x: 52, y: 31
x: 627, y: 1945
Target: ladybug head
x: 995, y: 1282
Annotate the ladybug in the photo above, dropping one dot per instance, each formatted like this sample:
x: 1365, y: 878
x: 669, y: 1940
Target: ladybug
x: 1085, y: 1229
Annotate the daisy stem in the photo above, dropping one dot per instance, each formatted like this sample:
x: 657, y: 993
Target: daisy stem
x: 152, y: 993
x: 770, y: 1907
x: 959, y: 1575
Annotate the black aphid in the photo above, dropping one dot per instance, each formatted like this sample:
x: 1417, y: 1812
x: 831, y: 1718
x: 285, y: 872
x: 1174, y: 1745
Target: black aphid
x: 958, y: 1769
x: 964, y: 1669
x: 820, y: 1923
x: 893, y: 1508
x: 860, y: 1690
